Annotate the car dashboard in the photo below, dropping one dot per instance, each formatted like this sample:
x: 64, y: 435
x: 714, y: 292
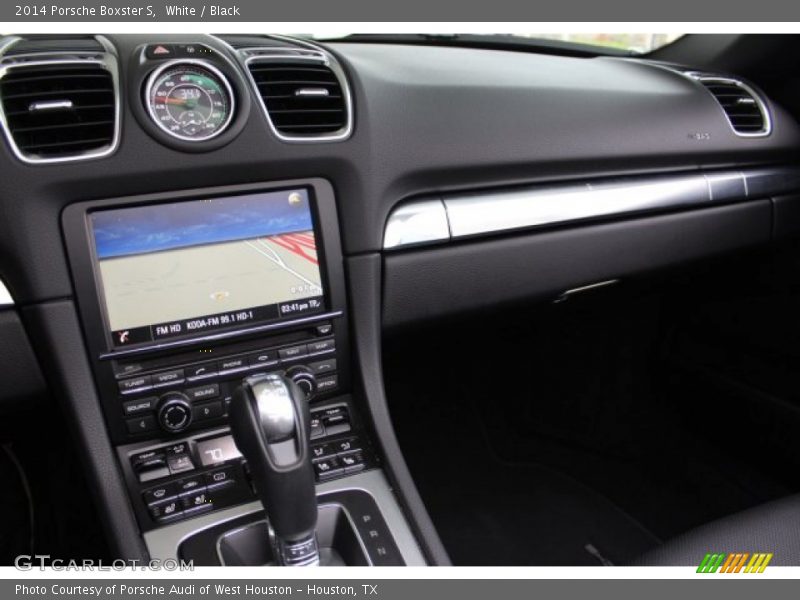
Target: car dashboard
x: 181, y: 212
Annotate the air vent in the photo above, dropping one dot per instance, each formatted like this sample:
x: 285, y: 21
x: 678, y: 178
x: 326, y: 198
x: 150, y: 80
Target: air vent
x: 745, y: 110
x: 305, y: 100
x: 59, y: 105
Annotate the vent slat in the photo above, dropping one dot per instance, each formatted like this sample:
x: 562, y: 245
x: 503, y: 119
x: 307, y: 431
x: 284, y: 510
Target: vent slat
x: 85, y: 123
x: 278, y: 85
x: 742, y: 108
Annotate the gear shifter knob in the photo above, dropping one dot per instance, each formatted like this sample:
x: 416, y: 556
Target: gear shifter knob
x: 270, y: 424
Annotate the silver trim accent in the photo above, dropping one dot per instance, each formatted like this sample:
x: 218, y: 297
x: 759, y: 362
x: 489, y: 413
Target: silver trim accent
x: 762, y: 106
x: 566, y: 295
x: 151, y: 79
x: 106, y: 60
x: 163, y: 543
x: 312, y: 92
x: 125, y: 352
x: 481, y: 213
x: 6, y: 300
x: 52, y: 105
x: 304, y: 52
x: 420, y: 222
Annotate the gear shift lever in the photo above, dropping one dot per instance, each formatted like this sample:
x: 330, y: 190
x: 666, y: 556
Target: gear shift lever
x: 270, y: 424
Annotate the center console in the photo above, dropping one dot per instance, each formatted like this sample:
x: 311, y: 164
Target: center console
x: 182, y: 297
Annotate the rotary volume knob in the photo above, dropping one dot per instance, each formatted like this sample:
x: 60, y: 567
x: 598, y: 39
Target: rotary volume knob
x: 174, y: 412
x: 304, y: 379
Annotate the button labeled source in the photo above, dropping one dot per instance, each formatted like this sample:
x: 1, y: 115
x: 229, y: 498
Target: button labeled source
x: 136, y: 407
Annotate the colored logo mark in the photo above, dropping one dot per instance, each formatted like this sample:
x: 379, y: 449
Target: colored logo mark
x: 735, y: 562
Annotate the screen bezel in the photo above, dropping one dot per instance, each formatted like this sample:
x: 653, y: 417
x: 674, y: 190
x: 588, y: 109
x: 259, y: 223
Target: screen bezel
x: 312, y: 205
x: 76, y: 221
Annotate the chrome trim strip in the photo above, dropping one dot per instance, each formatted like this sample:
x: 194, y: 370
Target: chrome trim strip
x: 481, y: 213
x: 52, y: 105
x: 106, y: 60
x: 419, y: 222
x: 6, y: 300
x: 153, y: 77
x: 304, y: 51
x: 126, y: 352
x: 163, y: 543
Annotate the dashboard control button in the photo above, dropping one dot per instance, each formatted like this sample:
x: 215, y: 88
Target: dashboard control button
x: 174, y: 412
x: 348, y: 445
x: 324, y: 384
x: 336, y: 423
x: 198, y: 498
x: 160, y: 493
x: 323, y: 366
x: 166, y: 511
x: 200, y: 372
x: 321, y: 346
x: 135, y: 407
x: 204, y: 392
x: 209, y: 410
x: 328, y: 467
x: 322, y: 451
x: 168, y: 378
x: 190, y: 484
x: 135, y: 385
x: 180, y: 464
x: 353, y: 462
x: 317, y: 429
x: 266, y: 358
x: 220, y: 477
x: 179, y: 448
x: 292, y: 352
x: 324, y: 329
x: 143, y: 424
x: 233, y: 365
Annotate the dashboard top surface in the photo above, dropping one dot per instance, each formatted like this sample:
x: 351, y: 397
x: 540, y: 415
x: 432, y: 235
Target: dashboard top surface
x: 425, y: 120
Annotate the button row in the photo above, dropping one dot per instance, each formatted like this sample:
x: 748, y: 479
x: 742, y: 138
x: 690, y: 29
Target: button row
x: 341, y: 464
x: 188, y: 496
x: 228, y: 366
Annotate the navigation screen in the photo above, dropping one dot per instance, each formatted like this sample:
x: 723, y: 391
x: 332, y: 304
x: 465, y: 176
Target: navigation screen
x: 172, y: 270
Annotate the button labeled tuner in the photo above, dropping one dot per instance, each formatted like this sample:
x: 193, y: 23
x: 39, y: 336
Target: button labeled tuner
x: 174, y: 412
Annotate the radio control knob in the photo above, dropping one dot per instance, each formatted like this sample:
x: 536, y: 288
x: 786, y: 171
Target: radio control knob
x: 174, y: 412
x: 304, y: 379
